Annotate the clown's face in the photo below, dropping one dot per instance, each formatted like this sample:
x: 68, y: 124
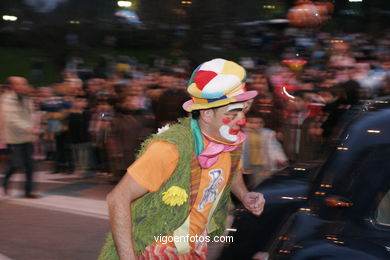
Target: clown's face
x: 228, y: 120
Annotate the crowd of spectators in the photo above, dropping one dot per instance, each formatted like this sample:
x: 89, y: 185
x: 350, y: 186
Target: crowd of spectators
x: 97, y: 123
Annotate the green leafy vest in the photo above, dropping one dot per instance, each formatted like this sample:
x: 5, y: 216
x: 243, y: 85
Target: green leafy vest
x: 151, y: 217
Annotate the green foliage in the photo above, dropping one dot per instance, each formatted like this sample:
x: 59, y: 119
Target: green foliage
x: 18, y: 62
x: 108, y: 251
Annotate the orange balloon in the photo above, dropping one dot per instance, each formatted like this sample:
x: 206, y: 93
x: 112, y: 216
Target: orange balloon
x: 308, y: 14
x: 305, y: 16
x: 329, y: 6
x: 326, y: 6
x: 301, y: 2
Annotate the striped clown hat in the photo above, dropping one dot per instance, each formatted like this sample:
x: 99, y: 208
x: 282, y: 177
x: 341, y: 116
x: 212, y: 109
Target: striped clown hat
x: 215, y: 83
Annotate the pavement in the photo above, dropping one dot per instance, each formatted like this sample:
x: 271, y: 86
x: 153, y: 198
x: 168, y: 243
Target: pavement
x: 68, y: 220
x: 79, y: 194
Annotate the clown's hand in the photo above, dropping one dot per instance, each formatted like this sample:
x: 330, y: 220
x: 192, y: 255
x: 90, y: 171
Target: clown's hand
x: 254, y: 202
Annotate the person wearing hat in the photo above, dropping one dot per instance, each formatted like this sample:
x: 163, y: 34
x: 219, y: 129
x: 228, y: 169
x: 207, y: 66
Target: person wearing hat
x: 175, y: 197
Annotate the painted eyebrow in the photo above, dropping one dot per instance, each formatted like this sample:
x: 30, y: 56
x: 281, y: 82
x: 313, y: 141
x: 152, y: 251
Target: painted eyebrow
x: 235, y: 110
x: 235, y: 107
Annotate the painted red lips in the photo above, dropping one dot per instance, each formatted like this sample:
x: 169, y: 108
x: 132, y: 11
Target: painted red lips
x: 234, y: 131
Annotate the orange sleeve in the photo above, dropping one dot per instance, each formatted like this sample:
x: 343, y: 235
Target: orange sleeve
x: 155, y: 165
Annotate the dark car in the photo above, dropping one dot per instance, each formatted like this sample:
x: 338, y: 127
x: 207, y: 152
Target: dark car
x: 347, y: 215
x: 337, y: 210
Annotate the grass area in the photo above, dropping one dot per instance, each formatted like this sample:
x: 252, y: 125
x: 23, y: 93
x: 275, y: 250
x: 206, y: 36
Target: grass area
x: 18, y: 62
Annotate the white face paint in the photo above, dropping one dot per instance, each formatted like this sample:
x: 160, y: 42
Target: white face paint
x: 225, y: 130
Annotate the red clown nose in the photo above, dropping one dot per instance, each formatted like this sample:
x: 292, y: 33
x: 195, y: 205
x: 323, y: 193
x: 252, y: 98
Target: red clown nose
x: 241, y: 122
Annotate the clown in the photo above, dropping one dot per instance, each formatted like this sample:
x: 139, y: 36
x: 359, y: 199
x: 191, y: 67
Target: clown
x: 179, y: 187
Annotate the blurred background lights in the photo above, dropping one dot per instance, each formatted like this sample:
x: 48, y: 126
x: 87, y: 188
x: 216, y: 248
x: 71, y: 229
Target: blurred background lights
x: 124, y: 4
x: 374, y: 131
x: 355, y: 1
x: 10, y: 18
x: 129, y: 16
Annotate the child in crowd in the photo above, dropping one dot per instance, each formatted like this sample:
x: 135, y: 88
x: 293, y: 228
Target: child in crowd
x: 262, y: 152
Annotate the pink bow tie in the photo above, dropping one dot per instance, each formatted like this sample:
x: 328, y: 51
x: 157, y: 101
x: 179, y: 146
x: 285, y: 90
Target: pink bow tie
x: 210, y: 154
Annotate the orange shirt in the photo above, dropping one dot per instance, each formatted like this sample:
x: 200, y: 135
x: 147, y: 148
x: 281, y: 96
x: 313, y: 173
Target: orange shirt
x: 155, y: 165
x: 158, y: 163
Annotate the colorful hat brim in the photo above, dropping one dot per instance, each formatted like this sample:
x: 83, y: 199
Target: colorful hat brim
x: 190, y: 105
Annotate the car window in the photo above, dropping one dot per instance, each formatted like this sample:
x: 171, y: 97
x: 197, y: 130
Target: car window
x: 383, y: 211
x: 340, y: 131
x: 371, y: 164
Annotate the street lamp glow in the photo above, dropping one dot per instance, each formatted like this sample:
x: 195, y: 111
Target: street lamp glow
x: 10, y: 18
x: 125, y: 4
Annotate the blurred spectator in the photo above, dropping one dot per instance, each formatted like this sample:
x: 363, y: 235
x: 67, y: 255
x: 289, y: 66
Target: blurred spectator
x: 94, y: 90
x: 262, y: 152
x: 99, y: 129
x: 3, y: 145
x: 168, y: 107
x: 310, y: 139
x: 333, y: 110
x: 137, y: 90
x: 56, y: 106
x: 344, y: 73
x: 73, y: 82
x: 20, y: 132
x: 124, y: 139
x: 39, y: 118
x: 295, y: 113
x: 263, y: 104
x: 79, y: 135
